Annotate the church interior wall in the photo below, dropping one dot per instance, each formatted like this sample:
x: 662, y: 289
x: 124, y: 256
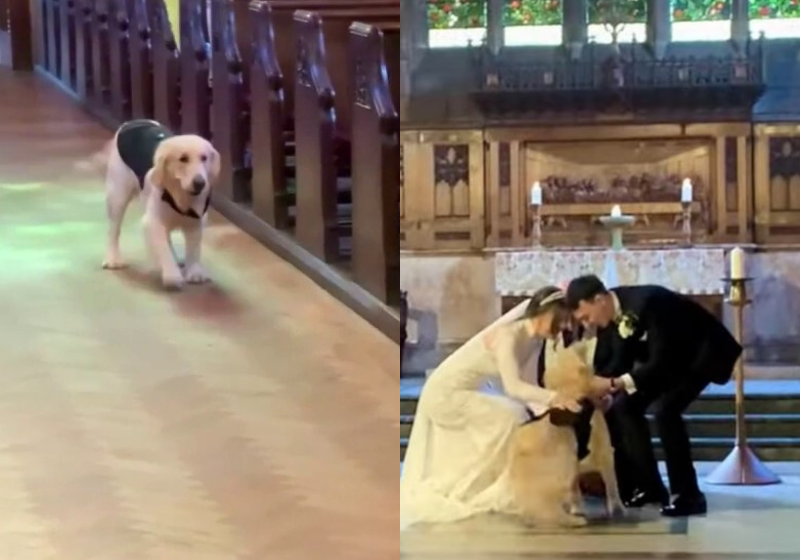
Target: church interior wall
x: 465, y: 197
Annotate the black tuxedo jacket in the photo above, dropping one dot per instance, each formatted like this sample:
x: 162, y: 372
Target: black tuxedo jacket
x: 674, y: 338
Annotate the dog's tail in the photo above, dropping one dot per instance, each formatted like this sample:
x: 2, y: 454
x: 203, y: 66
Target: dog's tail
x: 98, y: 161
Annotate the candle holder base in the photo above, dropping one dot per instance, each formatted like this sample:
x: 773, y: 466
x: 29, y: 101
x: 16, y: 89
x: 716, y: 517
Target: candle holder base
x: 742, y: 467
x: 616, y: 224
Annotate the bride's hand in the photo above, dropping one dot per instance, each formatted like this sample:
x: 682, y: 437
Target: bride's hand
x: 565, y: 403
x: 603, y: 403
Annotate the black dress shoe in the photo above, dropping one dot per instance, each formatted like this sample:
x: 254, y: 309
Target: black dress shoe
x: 686, y: 506
x: 644, y: 498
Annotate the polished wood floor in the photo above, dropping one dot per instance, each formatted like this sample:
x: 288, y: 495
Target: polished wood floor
x: 254, y: 418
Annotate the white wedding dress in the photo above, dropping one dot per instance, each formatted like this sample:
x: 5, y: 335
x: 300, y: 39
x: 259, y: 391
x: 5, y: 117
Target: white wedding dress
x: 456, y: 464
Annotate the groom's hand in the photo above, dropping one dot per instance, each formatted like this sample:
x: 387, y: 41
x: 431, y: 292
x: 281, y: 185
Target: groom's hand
x: 599, y: 387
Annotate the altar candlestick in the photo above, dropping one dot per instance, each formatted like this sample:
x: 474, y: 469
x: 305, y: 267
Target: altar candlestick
x: 536, y: 194
x: 686, y: 191
x: 616, y: 211
x: 737, y: 263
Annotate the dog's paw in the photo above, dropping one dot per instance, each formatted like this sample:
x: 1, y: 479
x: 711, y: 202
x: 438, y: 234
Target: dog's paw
x: 114, y: 262
x: 574, y: 521
x: 615, y: 509
x: 196, y: 275
x: 172, y: 281
x: 576, y: 509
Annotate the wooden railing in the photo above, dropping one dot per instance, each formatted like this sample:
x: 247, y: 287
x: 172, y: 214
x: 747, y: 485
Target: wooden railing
x: 312, y: 153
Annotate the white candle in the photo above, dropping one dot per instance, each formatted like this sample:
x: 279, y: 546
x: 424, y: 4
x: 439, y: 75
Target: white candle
x: 536, y: 194
x: 616, y: 211
x: 686, y: 191
x: 737, y: 263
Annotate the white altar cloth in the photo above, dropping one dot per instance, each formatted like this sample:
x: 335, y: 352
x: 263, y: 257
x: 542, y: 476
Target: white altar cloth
x: 696, y: 270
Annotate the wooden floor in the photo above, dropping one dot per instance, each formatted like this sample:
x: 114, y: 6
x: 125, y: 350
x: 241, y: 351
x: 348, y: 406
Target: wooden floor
x: 255, y: 418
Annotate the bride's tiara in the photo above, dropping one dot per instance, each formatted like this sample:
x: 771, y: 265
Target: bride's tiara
x: 555, y: 296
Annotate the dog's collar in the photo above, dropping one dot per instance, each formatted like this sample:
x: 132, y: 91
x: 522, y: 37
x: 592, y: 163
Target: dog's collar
x: 190, y: 213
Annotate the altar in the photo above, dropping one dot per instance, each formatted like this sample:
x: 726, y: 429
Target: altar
x: 692, y: 271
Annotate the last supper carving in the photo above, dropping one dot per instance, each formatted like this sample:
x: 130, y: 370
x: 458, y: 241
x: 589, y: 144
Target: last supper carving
x: 581, y: 181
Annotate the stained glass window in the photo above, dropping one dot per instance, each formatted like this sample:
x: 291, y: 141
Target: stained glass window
x: 620, y: 20
x: 775, y: 18
x: 456, y: 23
x: 701, y: 20
x: 532, y: 22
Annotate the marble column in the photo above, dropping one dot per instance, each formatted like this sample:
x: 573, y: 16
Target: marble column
x: 494, y: 25
x: 659, y: 26
x: 740, y: 22
x: 575, y: 22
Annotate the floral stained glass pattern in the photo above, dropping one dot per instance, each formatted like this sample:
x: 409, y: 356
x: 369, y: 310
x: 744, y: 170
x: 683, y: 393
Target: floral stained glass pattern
x: 700, y: 10
x: 617, y: 11
x: 532, y: 12
x: 774, y: 9
x: 456, y: 14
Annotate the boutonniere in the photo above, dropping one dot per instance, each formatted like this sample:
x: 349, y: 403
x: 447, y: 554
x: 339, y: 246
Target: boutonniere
x: 626, y: 325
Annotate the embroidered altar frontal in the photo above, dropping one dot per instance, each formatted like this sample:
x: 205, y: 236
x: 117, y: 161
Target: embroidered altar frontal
x: 696, y: 270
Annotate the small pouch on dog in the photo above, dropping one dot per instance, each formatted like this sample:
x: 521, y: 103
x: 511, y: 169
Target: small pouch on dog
x: 560, y: 417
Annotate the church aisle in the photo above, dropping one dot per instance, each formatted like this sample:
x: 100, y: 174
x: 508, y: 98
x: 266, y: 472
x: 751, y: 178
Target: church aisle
x: 253, y: 418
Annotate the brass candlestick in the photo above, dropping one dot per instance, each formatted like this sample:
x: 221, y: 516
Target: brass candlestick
x: 741, y: 466
x: 536, y: 226
x: 686, y: 225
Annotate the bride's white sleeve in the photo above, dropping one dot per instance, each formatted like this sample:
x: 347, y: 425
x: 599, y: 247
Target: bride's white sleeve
x: 510, y: 371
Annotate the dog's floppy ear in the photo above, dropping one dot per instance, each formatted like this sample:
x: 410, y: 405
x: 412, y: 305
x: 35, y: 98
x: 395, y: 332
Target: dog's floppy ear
x: 161, y: 161
x: 214, y: 166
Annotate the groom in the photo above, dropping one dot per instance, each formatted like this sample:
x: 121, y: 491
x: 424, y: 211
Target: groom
x: 669, y: 348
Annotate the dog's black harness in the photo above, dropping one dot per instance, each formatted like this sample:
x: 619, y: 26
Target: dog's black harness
x: 137, y: 142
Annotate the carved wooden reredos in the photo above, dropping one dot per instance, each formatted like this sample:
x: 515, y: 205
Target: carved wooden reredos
x: 470, y: 189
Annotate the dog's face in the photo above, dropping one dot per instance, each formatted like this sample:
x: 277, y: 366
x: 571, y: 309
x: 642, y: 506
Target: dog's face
x: 571, y: 373
x: 189, y: 162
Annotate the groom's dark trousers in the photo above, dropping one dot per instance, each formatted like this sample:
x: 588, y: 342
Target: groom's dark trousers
x: 628, y: 413
x: 675, y: 350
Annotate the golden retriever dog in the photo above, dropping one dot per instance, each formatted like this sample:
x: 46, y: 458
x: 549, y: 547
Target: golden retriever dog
x: 174, y: 176
x: 544, y: 465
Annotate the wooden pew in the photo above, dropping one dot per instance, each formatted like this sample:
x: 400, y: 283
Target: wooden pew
x: 84, y: 72
x: 230, y: 106
x: 195, y: 67
x: 166, y: 67
x: 17, y: 40
x: 315, y: 121
x: 337, y: 15
x: 101, y: 62
x: 51, y: 15
x: 376, y: 169
x: 67, y: 23
x: 120, y: 58
x: 267, y: 123
x: 142, y: 101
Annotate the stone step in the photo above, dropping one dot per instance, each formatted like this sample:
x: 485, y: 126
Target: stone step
x: 716, y: 449
x: 708, y: 425
x: 707, y: 404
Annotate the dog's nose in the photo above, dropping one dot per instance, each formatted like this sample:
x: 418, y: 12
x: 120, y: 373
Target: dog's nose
x: 198, y: 184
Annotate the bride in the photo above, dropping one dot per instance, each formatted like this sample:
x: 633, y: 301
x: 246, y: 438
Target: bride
x: 456, y: 464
